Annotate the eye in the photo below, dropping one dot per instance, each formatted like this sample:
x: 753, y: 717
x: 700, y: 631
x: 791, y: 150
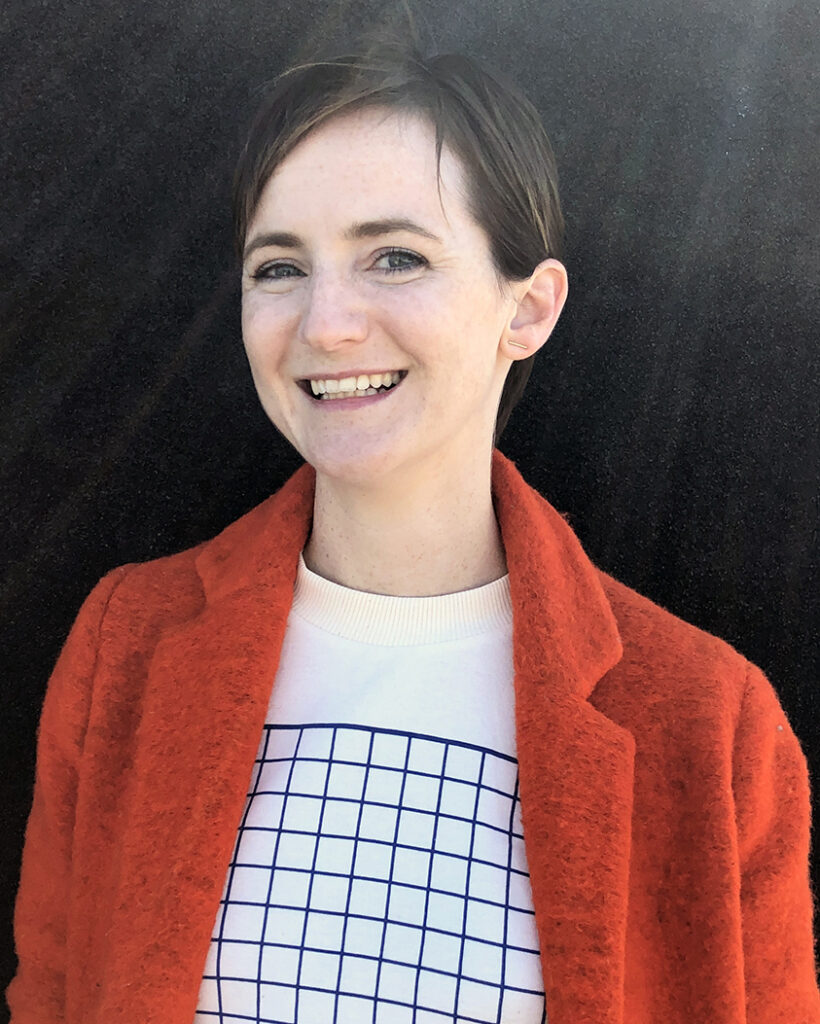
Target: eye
x: 269, y: 272
x: 400, y: 260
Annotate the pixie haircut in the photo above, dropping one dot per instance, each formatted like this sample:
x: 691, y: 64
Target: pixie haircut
x: 493, y: 129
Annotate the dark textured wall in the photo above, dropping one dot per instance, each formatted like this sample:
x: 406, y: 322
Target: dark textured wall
x: 673, y: 415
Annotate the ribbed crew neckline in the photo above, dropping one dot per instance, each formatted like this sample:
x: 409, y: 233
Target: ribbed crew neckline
x: 387, y: 620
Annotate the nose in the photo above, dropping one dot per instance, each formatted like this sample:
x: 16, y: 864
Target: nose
x: 334, y: 313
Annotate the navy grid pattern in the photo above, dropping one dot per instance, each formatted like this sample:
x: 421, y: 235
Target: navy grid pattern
x: 378, y: 876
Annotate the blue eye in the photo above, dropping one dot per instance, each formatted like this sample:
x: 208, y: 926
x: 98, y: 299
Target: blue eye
x: 408, y: 260
x: 267, y: 272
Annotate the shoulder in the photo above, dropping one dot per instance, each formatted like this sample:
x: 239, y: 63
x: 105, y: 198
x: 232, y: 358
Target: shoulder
x: 172, y: 588
x: 690, y: 697
x: 665, y: 658
x: 647, y: 626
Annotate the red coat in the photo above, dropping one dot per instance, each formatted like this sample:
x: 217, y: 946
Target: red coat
x: 665, y: 797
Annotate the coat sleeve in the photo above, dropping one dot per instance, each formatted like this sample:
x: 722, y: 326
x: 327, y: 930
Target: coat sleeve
x: 37, y: 993
x: 773, y: 813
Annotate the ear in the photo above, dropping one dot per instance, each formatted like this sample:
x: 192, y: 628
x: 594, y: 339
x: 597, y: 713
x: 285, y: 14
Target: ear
x: 540, y: 300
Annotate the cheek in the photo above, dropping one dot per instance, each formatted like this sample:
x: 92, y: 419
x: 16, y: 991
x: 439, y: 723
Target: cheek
x: 262, y: 332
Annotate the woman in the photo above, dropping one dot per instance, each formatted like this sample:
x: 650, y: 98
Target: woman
x: 390, y: 748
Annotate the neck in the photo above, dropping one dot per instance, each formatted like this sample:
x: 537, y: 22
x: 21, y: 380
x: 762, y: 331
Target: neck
x: 421, y: 534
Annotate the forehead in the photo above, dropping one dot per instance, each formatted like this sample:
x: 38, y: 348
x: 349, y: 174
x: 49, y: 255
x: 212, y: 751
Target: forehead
x: 373, y: 162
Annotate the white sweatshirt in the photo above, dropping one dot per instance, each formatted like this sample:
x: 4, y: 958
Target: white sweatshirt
x: 379, y: 872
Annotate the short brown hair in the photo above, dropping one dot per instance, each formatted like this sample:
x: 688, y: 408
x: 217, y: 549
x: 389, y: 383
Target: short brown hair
x: 492, y: 128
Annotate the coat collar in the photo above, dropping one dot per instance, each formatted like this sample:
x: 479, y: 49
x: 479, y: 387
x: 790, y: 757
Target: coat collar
x: 550, y: 576
x: 576, y: 764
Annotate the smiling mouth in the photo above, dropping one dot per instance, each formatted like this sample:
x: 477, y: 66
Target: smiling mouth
x: 342, y: 395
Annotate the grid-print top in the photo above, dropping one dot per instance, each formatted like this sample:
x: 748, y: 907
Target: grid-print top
x: 379, y: 872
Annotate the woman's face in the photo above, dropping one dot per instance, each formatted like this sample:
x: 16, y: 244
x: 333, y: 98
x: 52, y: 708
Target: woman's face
x: 334, y: 286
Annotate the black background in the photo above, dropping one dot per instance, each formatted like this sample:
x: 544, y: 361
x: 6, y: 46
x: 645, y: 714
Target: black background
x: 673, y: 415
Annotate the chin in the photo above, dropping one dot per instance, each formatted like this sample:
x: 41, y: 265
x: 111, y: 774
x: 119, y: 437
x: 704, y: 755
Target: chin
x: 362, y: 466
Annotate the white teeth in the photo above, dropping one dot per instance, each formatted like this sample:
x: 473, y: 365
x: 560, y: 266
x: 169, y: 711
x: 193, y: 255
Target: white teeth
x: 363, y: 382
x: 359, y: 394
x: 346, y: 394
x: 331, y: 396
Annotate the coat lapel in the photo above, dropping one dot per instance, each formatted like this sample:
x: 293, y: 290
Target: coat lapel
x: 205, y: 704
x: 575, y: 764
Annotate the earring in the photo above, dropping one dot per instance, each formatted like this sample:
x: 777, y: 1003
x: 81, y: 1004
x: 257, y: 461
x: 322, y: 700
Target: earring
x: 517, y: 344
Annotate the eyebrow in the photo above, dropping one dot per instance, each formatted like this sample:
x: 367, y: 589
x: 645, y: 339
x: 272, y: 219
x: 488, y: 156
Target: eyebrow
x: 365, y: 229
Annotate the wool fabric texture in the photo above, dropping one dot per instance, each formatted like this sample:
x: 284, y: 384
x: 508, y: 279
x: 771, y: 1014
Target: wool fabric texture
x: 665, y: 798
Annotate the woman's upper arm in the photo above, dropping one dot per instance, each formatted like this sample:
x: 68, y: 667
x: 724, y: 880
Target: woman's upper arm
x: 773, y: 813
x: 36, y: 994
